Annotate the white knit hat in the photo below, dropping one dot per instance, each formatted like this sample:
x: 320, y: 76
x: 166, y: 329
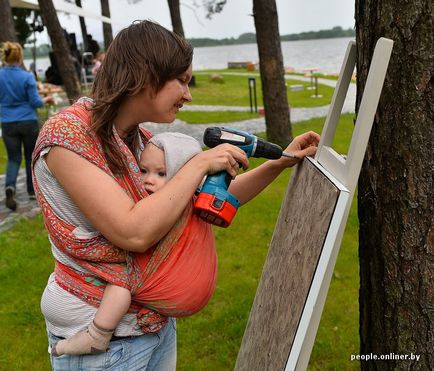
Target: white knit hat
x: 178, y: 149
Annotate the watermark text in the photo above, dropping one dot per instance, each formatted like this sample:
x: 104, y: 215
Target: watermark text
x: 385, y: 357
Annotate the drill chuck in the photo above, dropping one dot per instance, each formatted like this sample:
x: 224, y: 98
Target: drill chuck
x: 249, y: 143
x: 267, y: 150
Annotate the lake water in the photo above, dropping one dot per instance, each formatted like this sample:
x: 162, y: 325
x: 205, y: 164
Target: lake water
x: 327, y: 54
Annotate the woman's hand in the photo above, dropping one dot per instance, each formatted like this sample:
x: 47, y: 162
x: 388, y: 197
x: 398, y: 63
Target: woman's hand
x: 302, y: 145
x: 248, y: 185
x: 222, y: 157
x: 49, y: 99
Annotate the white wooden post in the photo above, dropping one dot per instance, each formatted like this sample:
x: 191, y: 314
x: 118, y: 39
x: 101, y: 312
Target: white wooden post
x: 344, y: 174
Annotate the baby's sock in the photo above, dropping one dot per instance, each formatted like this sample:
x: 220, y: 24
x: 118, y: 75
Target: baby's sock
x: 93, y: 340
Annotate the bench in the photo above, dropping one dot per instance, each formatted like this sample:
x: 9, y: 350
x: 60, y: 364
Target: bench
x: 297, y: 87
x: 238, y: 64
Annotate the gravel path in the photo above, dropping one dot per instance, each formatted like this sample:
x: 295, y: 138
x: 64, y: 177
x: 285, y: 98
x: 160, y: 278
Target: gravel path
x: 26, y: 208
x: 255, y: 125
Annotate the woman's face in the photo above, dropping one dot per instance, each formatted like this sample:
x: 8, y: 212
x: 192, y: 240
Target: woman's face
x: 163, y: 106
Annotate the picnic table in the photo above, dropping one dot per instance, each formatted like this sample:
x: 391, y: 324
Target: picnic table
x: 45, y: 89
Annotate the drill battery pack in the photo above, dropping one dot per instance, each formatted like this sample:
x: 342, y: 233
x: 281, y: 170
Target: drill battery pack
x: 214, y: 203
x: 216, y: 209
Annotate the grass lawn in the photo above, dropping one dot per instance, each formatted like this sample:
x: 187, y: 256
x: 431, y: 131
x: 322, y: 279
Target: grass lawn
x: 210, y: 339
x: 25, y: 263
x: 235, y: 92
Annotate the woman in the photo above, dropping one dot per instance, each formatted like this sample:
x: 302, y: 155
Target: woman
x: 98, y: 61
x: 98, y: 213
x: 19, y: 99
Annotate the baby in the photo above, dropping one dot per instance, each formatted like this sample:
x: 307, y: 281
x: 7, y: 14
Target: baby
x: 160, y: 160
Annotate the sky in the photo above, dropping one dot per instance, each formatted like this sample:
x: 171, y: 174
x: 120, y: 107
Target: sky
x: 294, y: 16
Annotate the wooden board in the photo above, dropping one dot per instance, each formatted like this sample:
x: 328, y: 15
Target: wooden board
x: 290, y: 266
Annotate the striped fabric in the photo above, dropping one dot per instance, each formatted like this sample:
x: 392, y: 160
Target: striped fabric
x: 64, y: 313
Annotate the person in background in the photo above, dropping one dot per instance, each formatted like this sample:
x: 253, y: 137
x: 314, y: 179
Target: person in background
x: 19, y: 100
x: 98, y: 61
x: 92, y: 45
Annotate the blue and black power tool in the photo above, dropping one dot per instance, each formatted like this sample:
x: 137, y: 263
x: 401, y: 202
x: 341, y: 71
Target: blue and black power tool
x: 214, y: 203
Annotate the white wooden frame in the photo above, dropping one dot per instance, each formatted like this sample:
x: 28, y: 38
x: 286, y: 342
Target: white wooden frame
x: 343, y: 173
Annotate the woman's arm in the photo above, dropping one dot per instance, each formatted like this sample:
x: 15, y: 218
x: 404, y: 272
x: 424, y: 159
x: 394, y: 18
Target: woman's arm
x: 129, y: 225
x: 246, y: 186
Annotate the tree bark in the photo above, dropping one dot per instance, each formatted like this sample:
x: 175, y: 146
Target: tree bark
x: 277, y: 118
x: 396, y: 188
x: 7, y: 29
x: 60, y: 49
x: 106, y: 27
x: 82, y: 27
x: 175, y: 16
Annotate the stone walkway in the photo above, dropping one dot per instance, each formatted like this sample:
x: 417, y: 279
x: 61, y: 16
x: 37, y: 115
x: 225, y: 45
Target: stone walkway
x: 27, y: 208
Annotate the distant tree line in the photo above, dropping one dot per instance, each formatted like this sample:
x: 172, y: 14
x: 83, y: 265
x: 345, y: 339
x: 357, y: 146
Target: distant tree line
x: 250, y: 37
x: 245, y: 38
x: 41, y: 50
x: 321, y: 34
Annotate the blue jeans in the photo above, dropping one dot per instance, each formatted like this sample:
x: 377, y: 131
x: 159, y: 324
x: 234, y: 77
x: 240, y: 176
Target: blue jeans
x: 150, y: 352
x: 16, y: 134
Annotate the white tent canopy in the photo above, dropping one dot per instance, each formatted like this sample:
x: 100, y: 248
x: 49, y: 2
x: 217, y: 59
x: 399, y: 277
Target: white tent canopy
x: 60, y: 6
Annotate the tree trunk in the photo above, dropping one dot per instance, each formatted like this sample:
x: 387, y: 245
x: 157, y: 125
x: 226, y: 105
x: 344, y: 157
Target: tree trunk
x: 396, y: 189
x: 82, y: 27
x: 7, y: 29
x: 106, y: 27
x: 175, y: 16
x: 277, y: 119
x: 60, y: 49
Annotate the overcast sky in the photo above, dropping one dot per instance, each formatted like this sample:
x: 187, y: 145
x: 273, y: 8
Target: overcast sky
x: 294, y: 16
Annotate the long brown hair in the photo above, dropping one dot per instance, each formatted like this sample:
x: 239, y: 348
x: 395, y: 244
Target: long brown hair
x: 143, y: 54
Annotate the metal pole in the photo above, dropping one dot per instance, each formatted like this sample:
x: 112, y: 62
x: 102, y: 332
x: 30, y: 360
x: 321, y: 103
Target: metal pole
x: 34, y: 51
x: 33, y: 28
x: 250, y: 94
x: 254, y: 92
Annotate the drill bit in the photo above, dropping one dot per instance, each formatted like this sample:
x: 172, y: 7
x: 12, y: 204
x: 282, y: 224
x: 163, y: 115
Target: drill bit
x: 289, y: 155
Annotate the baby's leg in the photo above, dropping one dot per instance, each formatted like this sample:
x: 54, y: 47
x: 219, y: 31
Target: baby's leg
x: 96, y: 338
x: 114, y: 305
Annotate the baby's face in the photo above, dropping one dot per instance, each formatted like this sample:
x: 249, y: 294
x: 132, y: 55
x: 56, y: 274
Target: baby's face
x: 153, y: 168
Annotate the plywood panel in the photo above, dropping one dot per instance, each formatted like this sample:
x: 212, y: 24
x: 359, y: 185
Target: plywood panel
x: 289, y: 269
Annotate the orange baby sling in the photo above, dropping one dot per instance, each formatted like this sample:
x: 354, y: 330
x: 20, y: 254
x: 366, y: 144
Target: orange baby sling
x: 176, y: 277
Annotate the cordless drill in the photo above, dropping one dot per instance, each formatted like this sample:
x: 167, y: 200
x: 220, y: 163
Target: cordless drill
x: 214, y: 203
